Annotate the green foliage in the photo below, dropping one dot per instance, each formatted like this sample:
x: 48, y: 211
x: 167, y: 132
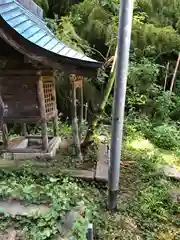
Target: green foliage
x: 43, y: 4
x: 65, y: 32
x: 142, y: 75
x: 162, y: 12
x: 144, y: 95
x: 60, y: 192
x: 153, y: 202
x: 61, y: 7
x: 153, y: 207
x: 145, y: 200
x: 140, y: 123
x: 98, y: 17
x: 149, y: 40
x: 91, y: 27
x: 166, y: 136
x: 149, y: 98
x: 160, y: 104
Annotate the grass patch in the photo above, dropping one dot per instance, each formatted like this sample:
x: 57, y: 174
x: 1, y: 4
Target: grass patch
x: 145, y: 208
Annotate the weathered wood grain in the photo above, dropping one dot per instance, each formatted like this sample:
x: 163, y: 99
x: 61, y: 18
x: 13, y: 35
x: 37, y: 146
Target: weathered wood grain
x: 102, y: 167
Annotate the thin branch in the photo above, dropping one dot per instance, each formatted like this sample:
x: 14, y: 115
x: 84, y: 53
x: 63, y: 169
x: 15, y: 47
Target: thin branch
x: 95, y: 50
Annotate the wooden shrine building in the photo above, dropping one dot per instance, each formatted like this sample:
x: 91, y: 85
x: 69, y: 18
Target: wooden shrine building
x: 29, y: 55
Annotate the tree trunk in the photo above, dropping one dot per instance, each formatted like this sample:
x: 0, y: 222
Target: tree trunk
x: 91, y: 129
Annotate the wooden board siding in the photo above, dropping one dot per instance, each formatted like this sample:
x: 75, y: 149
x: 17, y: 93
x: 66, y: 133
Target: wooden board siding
x: 19, y: 94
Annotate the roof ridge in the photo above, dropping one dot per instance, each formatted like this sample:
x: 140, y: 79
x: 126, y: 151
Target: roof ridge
x: 28, y: 12
x: 32, y: 7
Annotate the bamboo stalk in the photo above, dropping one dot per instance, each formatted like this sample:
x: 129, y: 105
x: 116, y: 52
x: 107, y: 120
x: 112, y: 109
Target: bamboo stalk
x: 166, y: 77
x: 175, y: 73
x: 98, y: 114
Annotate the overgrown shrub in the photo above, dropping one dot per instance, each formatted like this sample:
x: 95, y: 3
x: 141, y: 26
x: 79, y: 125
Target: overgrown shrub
x: 160, y: 104
x: 166, y: 136
x: 141, y: 123
x: 143, y: 74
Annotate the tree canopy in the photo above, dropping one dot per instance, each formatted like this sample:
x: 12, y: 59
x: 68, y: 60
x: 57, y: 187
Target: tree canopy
x: 91, y: 26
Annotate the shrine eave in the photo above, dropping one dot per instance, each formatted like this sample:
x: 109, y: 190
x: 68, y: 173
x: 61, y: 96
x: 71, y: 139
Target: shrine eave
x: 28, y: 34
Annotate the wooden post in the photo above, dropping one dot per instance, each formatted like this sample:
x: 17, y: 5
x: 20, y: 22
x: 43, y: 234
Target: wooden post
x: 4, y: 134
x: 55, y: 119
x: 24, y: 129
x: 82, y: 112
x: 76, y: 139
x: 3, y: 125
x: 55, y: 126
x: 42, y: 114
x: 79, y: 94
x: 82, y: 105
x: 86, y: 112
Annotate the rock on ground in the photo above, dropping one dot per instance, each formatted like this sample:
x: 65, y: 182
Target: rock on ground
x: 15, y: 208
x: 170, y: 171
x: 66, y: 224
x: 9, y: 235
x: 175, y: 195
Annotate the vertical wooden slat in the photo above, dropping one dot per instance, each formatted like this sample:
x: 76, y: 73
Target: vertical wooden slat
x: 55, y: 119
x: 24, y: 129
x: 75, y: 128
x: 42, y: 114
x: 82, y: 104
x: 86, y: 112
x: 82, y: 111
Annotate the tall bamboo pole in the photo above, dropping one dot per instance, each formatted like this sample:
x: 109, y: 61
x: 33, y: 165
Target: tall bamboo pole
x: 166, y: 77
x: 175, y: 73
x: 100, y: 110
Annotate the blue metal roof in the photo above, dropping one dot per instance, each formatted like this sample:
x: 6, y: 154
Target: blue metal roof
x: 34, y: 29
